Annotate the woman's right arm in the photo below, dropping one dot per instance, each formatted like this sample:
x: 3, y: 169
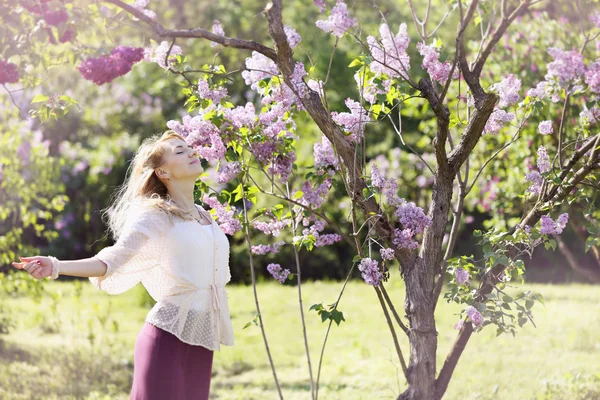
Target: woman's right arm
x: 41, y: 267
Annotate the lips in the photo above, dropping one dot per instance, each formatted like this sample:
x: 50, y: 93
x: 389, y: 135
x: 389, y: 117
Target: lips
x: 196, y: 161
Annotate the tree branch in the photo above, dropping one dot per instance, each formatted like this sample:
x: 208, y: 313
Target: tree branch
x: 196, y: 33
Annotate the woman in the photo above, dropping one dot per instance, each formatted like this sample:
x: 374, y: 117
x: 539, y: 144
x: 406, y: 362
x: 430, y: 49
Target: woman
x: 181, y: 256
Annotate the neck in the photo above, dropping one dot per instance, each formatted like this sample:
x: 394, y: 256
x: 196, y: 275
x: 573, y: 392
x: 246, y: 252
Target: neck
x: 183, y: 194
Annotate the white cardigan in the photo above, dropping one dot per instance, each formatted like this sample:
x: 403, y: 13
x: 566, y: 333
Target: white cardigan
x: 173, y: 258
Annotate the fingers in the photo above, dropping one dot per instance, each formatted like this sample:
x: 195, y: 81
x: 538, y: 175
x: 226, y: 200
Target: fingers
x: 36, y: 271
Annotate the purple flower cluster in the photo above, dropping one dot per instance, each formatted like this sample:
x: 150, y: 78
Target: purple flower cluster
x: 258, y: 67
x: 377, y: 179
x: 325, y: 155
x: 339, y: 20
x: 292, y: 36
x: 474, y: 315
x: 321, y: 4
x: 202, y: 134
x: 387, y: 253
x: 545, y: 127
x: 273, y: 227
x: 104, y: 69
x: 159, y: 54
x: 543, y: 161
x: 228, y: 172
x: 462, y: 276
x: 403, y: 239
x: 550, y: 227
x: 217, y: 29
x: 368, y: 89
x: 508, y: 89
x: 595, y: 18
x: 297, y: 79
x: 216, y: 94
x: 536, y: 179
x: 370, y: 272
x: 315, y: 229
x: 567, y: 65
x: 277, y: 272
x: 412, y: 216
x: 437, y: 70
x: 389, y: 53
x: 353, y: 122
x: 242, y: 116
x: 263, y: 249
x: 592, y: 76
x: 497, y: 120
x: 225, y: 215
x: 55, y: 18
x: 141, y: 6
x: 8, y: 72
x: 314, y: 198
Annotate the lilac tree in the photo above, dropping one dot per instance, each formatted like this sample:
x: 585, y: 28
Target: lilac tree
x: 475, y: 115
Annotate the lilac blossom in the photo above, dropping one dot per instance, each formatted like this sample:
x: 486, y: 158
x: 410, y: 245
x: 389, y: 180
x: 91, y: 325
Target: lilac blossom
x: 225, y: 215
x: 545, y: 127
x: 8, y: 72
x: 280, y: 274
x: 353, y: 122
x: 105, y: 68
x: 242, y: 115
x: 228, y: 171
x: 324, y: 154
x: 508, y: 89
x: 567, y: 65
x: 536, y: 179
x: 215, y: 94
x: 377, y: 179
x: 387, y: 253
x: 339, y: 20
x: 314, y: 198
x: 370, y: 272
x: 458, y: 326
x: 158, y: 55
x: 592, y: 76
x: 412, y: 217
x: 497, y: 120
x: 550, y: 227
x: 437, y: 70
x: 55, y: 18
x: 297, y: 79
x: 462, y: 276
x: 217, y: 29
x: 326, y: 239
x: 474, y: 315
x: 595, y: 18
x: 263, y: 249
x: 403, y: 239
x: 321, y: 4
x: 258, y: 67
x: 543, y: 161
x: 273, y: 227
x: 292, y: 36
x: 389, y: 54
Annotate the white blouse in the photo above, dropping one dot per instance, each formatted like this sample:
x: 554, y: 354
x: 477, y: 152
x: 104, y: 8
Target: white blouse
x: 183, y: 265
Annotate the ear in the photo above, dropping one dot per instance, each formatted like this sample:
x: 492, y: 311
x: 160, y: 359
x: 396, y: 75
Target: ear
x: 161, y: 173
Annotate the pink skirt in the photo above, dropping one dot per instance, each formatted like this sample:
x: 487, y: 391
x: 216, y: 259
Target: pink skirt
x: 164, y: 367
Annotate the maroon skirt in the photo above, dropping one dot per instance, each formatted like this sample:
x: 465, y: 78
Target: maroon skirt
x: 164, y: 367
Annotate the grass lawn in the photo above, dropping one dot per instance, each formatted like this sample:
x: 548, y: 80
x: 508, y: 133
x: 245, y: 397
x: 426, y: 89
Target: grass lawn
x: 85, y: 350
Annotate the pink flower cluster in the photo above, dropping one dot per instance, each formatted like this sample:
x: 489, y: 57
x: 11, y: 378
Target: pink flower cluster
x: 370, y: 272
x: 474, y: 315
x: 315, y: 229
x: 314, y: 198
x: 508, y: 89
x: 497, y: 120
x: 592, y: 76
x: 141, y: 6
x: 226, y: 217
x: 273, y: 227
x: 228, y: 171
x: 216, y: 94
x: 325, y: 155
x: 387, y: 253
x: 543, y: 161
x: 437, y: 70
x: 389, y: 53
x: 545, y: 127
x: 567, y: 65
x: 258, y: 67
x: 339, y: 20
x: 412, y: 217
x: 536, y: 179
x: 159, y: 54
x: 280, y: 274
x: 377, y: 179
x: 550, y: 227
x: 462, y: 276
x: 263, y: 249
x: 217, y: 28
x: 202, y: 134
x: 8, y: 72
x: 104, y: 69
x: 353, y: 122
x: 55, y: 18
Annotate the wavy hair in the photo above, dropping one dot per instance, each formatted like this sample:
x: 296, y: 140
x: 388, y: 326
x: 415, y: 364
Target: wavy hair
x: 142, y: 186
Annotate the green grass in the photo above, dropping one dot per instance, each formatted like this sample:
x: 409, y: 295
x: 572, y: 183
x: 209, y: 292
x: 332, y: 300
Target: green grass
x: 554, y: 360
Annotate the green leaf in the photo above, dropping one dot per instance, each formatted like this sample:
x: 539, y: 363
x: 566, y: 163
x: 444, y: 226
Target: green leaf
x: 40, y: 98
x: 356, y: 62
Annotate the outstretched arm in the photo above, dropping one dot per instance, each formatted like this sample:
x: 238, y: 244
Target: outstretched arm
x: 41, y: 267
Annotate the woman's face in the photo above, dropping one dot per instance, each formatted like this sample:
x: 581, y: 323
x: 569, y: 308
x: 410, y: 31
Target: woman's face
x: 180, y: 161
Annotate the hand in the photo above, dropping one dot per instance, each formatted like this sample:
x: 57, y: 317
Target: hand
x: 39, y: 267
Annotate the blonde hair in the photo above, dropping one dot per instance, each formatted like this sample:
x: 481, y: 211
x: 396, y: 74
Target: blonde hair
x: 142, y: 185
